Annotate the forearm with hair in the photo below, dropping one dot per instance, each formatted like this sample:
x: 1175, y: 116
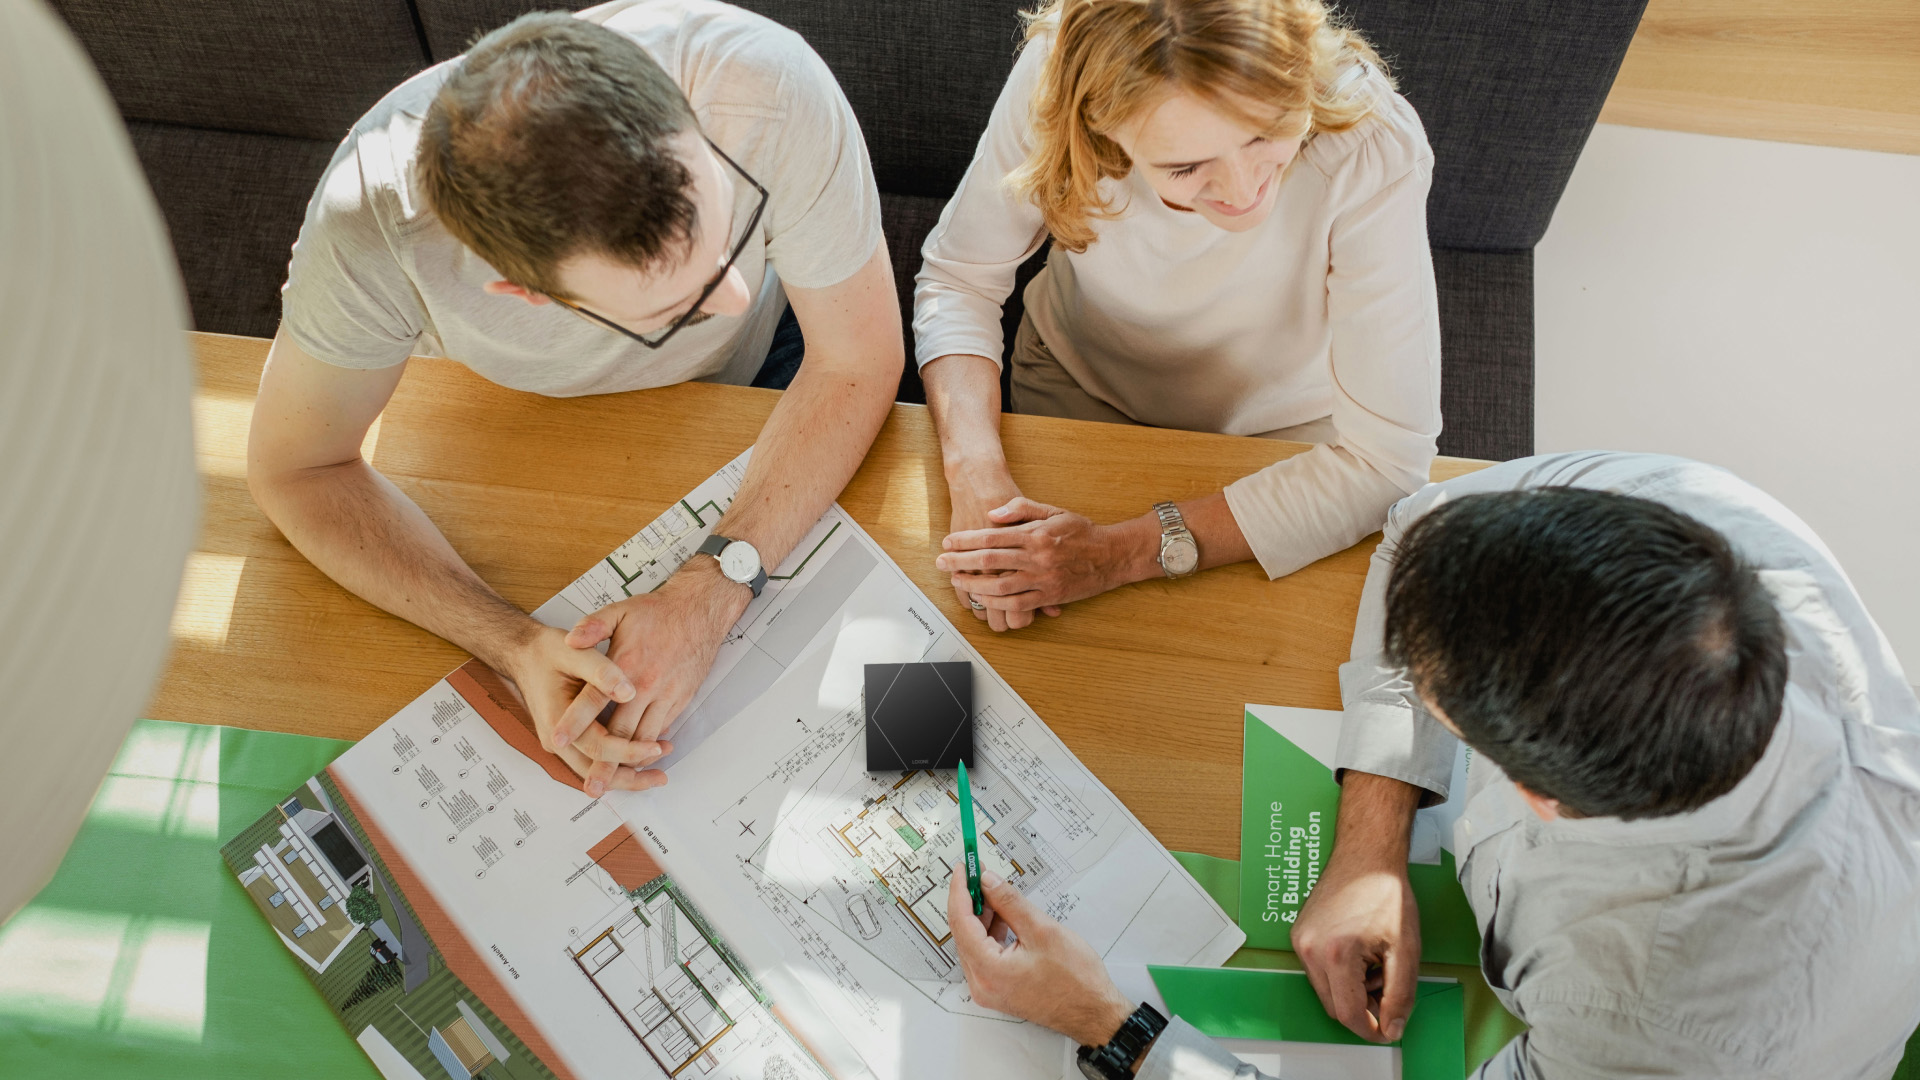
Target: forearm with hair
x: 808, y: 450
x: 364, y: 533
x: 1375, y: 819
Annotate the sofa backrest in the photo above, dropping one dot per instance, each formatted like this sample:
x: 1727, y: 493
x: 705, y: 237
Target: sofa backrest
x: 306, y: 70
x: 235, y: 105
x: 1508, y: 91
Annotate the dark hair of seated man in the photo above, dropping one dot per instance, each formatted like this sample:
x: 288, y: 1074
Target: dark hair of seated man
x: 1605, y: 651
x: 551, y: 139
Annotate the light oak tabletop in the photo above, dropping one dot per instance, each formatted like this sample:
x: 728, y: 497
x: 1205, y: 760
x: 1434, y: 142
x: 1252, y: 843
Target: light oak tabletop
x: 1145, y: 684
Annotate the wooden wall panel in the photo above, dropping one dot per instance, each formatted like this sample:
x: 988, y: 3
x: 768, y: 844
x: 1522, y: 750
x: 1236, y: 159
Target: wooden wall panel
x: 1832, y: 74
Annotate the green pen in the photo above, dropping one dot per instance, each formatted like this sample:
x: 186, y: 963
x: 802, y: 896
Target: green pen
x: 968, y: 843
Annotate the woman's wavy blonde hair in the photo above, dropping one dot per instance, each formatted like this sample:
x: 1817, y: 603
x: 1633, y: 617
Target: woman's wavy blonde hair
x: 1111, y: 59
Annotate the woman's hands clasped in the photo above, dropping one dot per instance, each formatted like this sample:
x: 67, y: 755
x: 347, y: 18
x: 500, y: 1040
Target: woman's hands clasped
x: 1035, y: 557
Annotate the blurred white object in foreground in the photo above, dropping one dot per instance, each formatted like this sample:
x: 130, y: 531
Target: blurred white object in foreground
x: 98, y: 500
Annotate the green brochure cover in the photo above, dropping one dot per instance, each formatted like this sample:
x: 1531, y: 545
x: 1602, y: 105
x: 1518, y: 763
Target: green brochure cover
x: 1281, y: 1006
x: 1288, y: 802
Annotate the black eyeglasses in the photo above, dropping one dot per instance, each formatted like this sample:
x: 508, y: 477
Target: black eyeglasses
x: 687, y: 316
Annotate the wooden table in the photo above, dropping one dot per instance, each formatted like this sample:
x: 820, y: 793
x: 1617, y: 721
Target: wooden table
x: 1146, y: 684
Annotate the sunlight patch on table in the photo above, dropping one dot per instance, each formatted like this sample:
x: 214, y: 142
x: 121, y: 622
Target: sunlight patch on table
x: 906, y: 498
x: 107, y: 972
x: 204, y: 611
x: 220, y: 426
x: 171, y: 752
x: 168, y: 807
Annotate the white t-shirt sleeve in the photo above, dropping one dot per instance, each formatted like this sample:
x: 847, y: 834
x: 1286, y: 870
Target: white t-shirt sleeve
x: 348, y: 301
x: 823, y: 209
x: 984, y: 234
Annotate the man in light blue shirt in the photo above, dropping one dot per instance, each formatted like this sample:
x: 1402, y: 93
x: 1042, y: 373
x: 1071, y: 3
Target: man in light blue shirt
x: 1692, y: 835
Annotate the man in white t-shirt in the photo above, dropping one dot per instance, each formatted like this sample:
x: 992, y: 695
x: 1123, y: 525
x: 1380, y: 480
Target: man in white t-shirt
x: 626, y: 199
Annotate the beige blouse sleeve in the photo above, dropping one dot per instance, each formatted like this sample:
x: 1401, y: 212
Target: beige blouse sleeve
x: 1385, y: 359
x: 986, y: 231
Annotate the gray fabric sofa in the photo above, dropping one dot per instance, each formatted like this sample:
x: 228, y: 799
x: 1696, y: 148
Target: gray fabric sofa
x: 235, y: 107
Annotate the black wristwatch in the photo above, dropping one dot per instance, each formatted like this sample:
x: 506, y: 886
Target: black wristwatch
x: 1115, y: 1060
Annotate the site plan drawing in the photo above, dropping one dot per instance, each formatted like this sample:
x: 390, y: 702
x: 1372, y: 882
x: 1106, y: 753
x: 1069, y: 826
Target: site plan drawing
x: 510, y: 925
x: 773, y: 913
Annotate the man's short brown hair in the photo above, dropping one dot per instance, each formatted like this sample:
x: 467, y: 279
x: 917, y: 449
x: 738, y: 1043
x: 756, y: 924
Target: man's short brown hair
x: 550, y: 140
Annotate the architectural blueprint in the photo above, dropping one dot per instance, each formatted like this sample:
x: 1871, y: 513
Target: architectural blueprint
x: 801, y: 594
x: 847, y: 871
x: 773, y: 913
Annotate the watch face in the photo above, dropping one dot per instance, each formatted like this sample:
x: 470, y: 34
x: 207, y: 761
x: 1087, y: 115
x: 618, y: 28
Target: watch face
x: 740, y: 561
x: 1180, y: 556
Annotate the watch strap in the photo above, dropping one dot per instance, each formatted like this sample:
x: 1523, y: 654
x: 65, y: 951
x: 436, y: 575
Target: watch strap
x: 714, y: 544
x: 1173, y: 527
x: 1171, y: 520
x: 1116, y: 1059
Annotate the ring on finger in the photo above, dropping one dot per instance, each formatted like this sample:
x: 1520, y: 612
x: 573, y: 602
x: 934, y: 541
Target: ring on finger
x: 975, y: 604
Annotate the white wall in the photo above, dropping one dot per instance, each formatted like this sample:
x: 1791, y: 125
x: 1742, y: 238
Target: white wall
x: 1755, y: 305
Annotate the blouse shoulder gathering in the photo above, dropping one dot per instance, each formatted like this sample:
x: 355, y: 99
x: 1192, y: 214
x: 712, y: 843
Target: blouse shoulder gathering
x: 1379, y: 150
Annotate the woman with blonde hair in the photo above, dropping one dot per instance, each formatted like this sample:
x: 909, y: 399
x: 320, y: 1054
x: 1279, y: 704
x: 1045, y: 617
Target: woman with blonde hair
x: 1237, y: 201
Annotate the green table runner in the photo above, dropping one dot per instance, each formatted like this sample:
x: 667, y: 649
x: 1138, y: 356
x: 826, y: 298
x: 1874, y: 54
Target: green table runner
x: 144, y: 957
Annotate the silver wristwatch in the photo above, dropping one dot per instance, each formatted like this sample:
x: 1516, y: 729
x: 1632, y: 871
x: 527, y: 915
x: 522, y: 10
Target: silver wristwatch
x: 739, y: 561
x: 1179, y: 552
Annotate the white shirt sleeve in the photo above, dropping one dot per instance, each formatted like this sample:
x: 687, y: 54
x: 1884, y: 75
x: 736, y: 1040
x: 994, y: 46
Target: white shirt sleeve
x: 984, y: 234
x: 1386, y: 731
x: 1385, y: 320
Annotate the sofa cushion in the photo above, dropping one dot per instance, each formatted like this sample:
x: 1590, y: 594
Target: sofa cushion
x: 233, y: 202
x: 306, y: 70
x: 451, y: 25
x: 922, y: 75
x: 1508, y: 91
x: 1486, y: 352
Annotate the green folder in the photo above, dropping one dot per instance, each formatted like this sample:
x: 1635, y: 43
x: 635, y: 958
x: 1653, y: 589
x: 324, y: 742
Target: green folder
x: 1280, y: 1006
x: 1288, y: 806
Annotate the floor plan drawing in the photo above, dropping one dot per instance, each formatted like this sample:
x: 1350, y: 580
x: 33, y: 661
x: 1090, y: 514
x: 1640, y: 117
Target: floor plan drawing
x: 854, y: 867
x: 776, y: 912
x: 673, y: 982
x: 871, y: 854
x: 882, y: 876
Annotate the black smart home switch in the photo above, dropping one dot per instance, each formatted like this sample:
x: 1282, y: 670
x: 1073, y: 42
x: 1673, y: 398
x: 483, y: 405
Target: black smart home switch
x: 919, y: 716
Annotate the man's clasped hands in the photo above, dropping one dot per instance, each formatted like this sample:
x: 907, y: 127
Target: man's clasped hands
x: 606, y: 714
